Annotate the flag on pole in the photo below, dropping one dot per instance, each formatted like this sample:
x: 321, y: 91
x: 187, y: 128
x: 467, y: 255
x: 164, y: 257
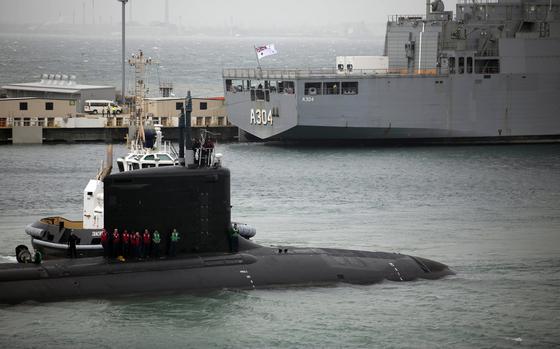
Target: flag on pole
x: 267, y: 50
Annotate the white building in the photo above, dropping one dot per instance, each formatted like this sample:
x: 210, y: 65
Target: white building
x: 60, y: 87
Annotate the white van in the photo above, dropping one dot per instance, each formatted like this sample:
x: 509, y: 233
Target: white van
x: 101, y: 107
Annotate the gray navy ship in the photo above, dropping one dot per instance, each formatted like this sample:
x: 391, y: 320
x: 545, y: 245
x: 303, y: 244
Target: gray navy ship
x: 488, y: 73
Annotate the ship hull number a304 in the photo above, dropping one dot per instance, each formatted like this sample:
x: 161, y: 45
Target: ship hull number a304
x: 261, y: 117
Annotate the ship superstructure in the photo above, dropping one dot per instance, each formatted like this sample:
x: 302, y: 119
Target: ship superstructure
x: 490, y: 72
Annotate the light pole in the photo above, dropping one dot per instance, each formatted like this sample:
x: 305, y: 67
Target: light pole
x: 123, y: 49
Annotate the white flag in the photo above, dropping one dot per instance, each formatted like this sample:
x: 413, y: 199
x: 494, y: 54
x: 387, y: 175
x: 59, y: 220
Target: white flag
x: 263, y: 51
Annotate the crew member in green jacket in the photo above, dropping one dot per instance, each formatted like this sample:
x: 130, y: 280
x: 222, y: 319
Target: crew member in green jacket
x: 156, y: 240
x: 175, y: 237
x: 234, y: 238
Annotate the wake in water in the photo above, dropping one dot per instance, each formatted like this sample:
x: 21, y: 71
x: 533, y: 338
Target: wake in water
x: 8, y: 259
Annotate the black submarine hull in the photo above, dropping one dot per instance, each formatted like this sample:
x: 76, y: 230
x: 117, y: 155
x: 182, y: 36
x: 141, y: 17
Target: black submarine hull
x: 196, y: 203
x: 255, y: 267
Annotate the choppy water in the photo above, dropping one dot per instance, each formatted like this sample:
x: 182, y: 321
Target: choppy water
x: 193, y: 63
x: 491, y: 213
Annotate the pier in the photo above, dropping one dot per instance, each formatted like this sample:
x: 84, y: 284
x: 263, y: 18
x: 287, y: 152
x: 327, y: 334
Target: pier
x: 112, y: 135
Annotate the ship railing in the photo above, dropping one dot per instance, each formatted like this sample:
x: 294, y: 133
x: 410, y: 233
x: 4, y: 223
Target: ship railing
x: 292, y: 74
x: 482, y: 2
x: 487, y: 53
x: 404, y: 18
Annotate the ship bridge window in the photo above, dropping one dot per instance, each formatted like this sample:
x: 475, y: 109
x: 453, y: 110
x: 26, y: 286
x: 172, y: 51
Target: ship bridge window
x: 178, y: 105
x: 331, y: 88
x: 341, y: 67
x: 234, y: 86
x: 273, y: 86
x: 312, y: 88
x: 461, y: 68
x: 260, y: 93
x: 469, y: 65
x: 451, y: 65
x: 350, y: 88
x: 287, y: 87
x: 487, y: 66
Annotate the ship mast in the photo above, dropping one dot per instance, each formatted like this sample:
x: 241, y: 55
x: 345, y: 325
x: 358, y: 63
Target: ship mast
x: 139, y: 62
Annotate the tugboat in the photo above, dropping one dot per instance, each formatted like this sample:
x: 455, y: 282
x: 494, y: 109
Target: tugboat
x: 190, y: 206
x: 149, y: 152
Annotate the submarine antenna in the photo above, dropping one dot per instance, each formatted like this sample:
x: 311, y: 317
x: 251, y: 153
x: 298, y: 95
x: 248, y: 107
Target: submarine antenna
x: 188, y: 135
x: 185, y: 130
x: 182, y: 135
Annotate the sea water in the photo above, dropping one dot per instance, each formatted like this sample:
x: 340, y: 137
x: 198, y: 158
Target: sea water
x: 490, y: 212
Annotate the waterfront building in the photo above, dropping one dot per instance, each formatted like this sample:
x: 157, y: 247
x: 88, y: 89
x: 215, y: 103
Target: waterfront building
x: 60, y: 87
x: 51, y: 112
x: 206, y: 112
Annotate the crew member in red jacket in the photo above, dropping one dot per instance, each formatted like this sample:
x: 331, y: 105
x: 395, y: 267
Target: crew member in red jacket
x: 104, y: 240
x: 125, y: 244
x: 135, y: 240
x: 116, y: 243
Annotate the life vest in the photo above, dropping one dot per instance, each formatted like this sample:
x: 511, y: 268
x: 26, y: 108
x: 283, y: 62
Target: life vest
x: 116, y: 237
x: 156, y: 238
x: 104, y: 236
x: 136, y: 239
x: 174, y: 236
x: 125, y: 237
x: 146, y: 237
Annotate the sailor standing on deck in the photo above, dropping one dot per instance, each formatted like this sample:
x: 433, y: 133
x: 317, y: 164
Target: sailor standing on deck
x: 136, y: 244
x: 125, y: 244
x: 116, y: 243
x: 234, y: 238
x: 72, y: 240
x: 146, y: 239
x: 173, y: 243
x: 104, y: 241
x: 156, y: 240
x: 196, y: 150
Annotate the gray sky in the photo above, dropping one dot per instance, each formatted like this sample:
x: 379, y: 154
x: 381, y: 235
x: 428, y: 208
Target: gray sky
x: 215, y: 13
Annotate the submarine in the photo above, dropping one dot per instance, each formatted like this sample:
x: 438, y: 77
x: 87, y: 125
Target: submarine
x: 195, y: 201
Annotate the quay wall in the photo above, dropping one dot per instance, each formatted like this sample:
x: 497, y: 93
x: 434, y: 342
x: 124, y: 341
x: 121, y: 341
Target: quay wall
x: 116, y: 134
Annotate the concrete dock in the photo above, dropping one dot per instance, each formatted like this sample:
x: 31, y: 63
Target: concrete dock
x: 19, y: 135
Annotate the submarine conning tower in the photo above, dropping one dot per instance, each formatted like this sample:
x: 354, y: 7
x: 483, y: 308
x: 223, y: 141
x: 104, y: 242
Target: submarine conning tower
x: 195, y: 201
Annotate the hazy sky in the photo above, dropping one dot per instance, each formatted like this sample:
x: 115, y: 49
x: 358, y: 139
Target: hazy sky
x: 216, y: 13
